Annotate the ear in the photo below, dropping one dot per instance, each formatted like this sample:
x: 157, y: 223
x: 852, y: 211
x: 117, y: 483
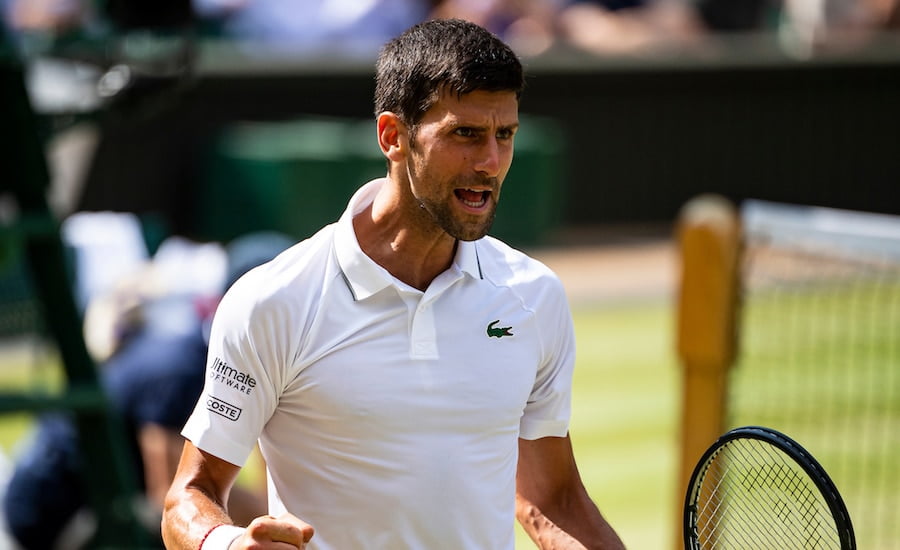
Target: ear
x: 392, y: 136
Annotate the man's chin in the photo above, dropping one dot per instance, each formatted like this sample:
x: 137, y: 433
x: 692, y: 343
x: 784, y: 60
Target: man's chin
x: 473, y: 233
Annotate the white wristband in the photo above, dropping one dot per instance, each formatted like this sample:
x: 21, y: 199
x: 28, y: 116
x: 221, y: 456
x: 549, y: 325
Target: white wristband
x: 221, y: 537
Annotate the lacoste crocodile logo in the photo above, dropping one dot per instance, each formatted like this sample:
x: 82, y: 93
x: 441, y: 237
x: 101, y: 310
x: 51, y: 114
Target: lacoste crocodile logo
x: 499, y: 332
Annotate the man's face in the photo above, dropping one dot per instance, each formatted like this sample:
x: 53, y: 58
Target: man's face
x: 462, y: 151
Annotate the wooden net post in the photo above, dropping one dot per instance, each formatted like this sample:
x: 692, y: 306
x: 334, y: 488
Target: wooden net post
x: 708, y: 233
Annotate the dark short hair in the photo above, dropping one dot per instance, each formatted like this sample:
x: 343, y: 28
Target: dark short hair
x: 438, y: 56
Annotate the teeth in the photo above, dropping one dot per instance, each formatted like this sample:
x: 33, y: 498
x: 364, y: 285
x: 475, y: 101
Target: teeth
x: 473, y: 204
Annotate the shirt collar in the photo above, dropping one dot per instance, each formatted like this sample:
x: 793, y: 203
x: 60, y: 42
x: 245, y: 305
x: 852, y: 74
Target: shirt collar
x: 363, y: 276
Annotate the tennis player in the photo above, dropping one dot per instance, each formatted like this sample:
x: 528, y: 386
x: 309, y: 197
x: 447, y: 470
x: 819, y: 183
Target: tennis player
x: 408, y: 377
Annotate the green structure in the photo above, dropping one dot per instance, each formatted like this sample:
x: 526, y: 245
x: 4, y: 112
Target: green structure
x: 33, y: 259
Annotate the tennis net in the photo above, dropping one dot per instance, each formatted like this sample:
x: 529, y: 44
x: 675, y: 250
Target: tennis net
x: 819, y: 354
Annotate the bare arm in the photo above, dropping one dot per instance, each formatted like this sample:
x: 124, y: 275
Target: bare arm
x: 161, y: 449
x: 552, y: 503
x: 195, y: 504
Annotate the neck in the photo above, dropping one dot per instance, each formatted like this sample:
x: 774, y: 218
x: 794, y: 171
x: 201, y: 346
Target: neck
x: 409, y: 254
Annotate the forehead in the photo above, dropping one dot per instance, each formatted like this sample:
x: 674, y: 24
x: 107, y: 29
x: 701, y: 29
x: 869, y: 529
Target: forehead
x: 478, y: 107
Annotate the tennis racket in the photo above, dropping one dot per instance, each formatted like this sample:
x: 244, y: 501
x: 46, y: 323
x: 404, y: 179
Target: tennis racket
x: 756, y: 488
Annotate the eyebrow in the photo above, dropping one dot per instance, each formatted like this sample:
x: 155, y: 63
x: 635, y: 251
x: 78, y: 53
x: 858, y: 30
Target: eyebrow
x: 483, y: 127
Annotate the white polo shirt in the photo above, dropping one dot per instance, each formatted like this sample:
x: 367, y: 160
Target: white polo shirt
x: 389, y: 418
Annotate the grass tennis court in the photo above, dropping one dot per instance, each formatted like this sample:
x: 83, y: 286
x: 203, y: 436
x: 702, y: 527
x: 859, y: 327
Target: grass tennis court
x: 625, y: 414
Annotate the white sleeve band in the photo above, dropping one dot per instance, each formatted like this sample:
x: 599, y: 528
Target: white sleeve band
x: 221, y: 537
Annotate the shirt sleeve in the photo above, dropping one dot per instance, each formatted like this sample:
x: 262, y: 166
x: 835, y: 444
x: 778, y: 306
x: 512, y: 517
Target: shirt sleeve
x: 244, y: 374
x: 548, y: 410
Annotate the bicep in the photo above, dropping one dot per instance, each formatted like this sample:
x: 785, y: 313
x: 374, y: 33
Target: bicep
x: 199, y: 471
x: 546, y: 469
x: 552, y: 503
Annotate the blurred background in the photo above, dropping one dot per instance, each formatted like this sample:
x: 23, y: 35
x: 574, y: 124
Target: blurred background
x: 171, y: 129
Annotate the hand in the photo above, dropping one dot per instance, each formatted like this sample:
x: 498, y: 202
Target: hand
x: 269, y: 532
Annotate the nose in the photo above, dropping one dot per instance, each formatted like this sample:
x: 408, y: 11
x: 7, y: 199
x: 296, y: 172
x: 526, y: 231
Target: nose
x: 489, y: 161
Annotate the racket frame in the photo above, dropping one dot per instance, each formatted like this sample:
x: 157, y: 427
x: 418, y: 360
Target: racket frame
x: 793, y: 450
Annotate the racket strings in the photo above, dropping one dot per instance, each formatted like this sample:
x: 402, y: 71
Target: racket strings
x: 754, y: 496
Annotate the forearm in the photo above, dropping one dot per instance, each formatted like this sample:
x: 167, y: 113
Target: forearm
x: 578, y: 526
x: 188, y: 516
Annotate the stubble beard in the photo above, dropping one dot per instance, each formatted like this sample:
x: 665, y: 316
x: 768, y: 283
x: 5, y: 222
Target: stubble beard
x: 442, y: 215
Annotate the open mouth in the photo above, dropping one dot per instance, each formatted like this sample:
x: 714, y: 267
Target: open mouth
x: 472, y: 198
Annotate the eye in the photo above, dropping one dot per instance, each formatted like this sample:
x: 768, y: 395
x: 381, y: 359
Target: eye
x: 464, y: 131
x: 505, y: 133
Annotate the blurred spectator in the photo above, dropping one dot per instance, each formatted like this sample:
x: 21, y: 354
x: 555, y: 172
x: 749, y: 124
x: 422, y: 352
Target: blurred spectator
x: 53, y: 16
x: 625, y: 26
x: 597, y: 26
x: 818, y: 24
x: 148, y: 332
x: 312, y: 26
x: 529, y: 26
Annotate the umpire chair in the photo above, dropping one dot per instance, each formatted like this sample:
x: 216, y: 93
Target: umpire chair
x: 30, y: 234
